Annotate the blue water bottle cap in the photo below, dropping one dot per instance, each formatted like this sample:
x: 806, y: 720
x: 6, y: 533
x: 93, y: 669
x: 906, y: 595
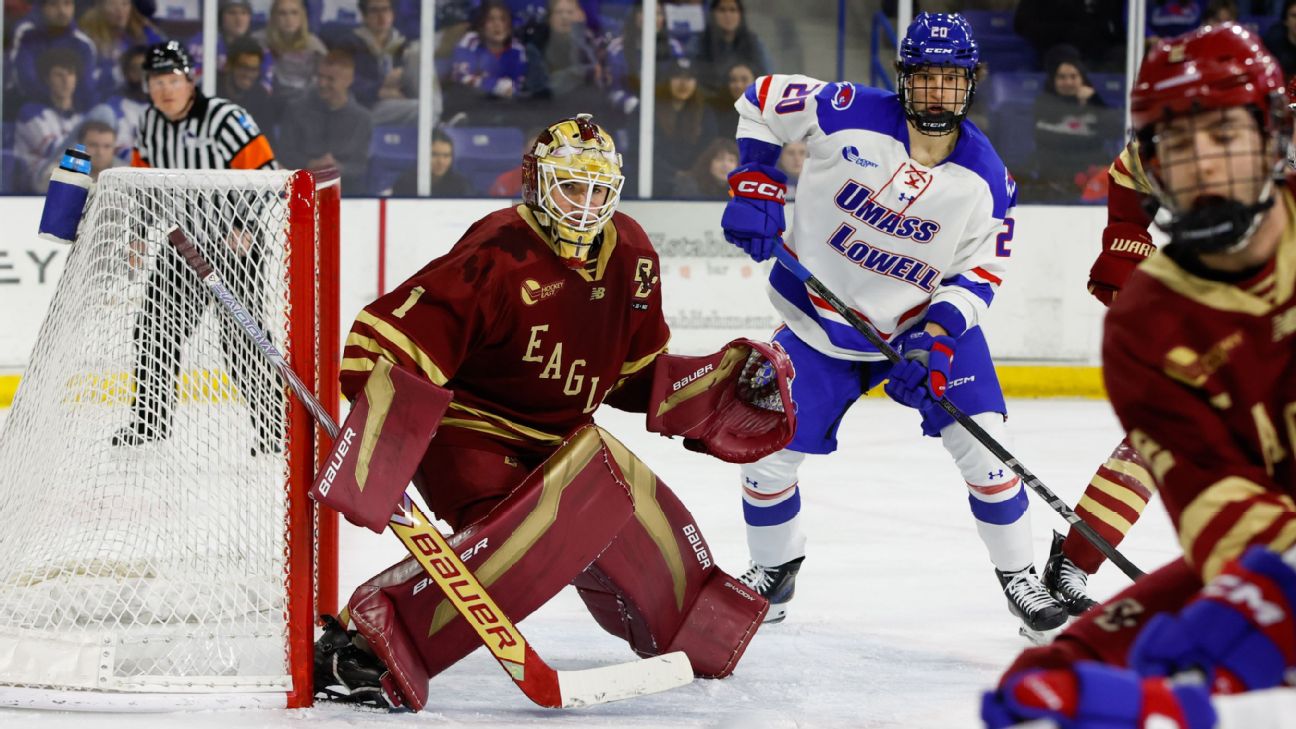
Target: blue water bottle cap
x: 76, y: 159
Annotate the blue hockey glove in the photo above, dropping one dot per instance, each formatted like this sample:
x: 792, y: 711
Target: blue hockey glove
x: 1239, y: 629
x: 923, y: 375
x: 753, y: 219
x: 1095, y: 696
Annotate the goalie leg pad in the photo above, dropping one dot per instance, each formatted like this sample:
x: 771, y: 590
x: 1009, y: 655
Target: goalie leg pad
x: 657, y: 586
x: 524, y: 551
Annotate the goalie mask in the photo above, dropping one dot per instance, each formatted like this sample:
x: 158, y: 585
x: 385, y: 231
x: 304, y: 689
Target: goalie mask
x: 1211, y: 116
x: 937, y: 72
x: 571, y: 181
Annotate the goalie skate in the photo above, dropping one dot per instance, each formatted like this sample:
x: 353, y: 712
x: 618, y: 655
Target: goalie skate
x: 776, y: 584
x: 347, y: 673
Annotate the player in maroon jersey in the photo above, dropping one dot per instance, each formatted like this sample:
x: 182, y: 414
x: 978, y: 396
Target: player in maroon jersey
x: 1198, y: 356
x: 538, y: 315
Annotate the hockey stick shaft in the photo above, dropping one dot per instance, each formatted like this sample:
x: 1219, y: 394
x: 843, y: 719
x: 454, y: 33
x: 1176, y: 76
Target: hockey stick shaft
x: 788, y: 259
x: 542, y: 684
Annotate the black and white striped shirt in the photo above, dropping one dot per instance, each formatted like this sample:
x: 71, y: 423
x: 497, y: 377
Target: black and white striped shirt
x: 216, y: 134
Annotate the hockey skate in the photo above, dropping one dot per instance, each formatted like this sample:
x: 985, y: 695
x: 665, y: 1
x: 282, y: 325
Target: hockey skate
x: 347, y: 673
x: 1040, y: 613
x: 140, y: 431
x: 776, y: 584
x: 1065, y: 581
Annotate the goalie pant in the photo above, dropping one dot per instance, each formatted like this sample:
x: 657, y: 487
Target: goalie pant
x: 590, y: 514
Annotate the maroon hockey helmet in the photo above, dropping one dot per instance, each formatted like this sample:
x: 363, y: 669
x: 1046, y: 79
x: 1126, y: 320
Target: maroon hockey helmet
x: 1212, y: 68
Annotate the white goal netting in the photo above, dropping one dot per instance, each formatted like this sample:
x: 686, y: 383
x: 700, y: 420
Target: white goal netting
x: 145, y: 477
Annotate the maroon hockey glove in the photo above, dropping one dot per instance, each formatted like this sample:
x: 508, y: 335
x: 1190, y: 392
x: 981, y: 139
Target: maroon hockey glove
x: 1125, y: 245
x: 735, y: 404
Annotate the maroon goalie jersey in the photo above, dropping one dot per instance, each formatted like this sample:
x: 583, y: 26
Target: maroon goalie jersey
x: 1202, y: 374
x: 529, y: 347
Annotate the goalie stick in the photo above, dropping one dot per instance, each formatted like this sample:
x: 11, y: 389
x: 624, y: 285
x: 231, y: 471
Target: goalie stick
x: 544, y: 685
x: 788, y: 259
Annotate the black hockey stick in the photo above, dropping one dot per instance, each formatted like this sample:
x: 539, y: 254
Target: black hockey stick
x: 788, y: 259
x: 543, y: 685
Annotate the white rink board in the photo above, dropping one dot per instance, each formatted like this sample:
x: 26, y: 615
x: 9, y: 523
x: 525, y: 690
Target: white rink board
x: 898, y: 621
x: 713, y: 293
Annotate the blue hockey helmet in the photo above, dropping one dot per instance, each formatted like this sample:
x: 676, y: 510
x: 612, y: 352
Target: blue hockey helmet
x: 934, y: 42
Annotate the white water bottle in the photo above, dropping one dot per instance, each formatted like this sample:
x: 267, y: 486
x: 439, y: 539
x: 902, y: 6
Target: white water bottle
x: 66, y: 198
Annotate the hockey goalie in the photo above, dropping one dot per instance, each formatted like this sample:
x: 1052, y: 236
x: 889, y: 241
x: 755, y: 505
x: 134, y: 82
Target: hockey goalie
x: 536, y: 316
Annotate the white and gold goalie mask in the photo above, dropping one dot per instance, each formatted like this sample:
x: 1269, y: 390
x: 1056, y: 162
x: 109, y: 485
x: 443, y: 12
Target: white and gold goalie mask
x: 571, y: 181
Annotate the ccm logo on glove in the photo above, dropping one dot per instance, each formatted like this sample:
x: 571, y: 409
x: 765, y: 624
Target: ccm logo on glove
x: 765, y: 190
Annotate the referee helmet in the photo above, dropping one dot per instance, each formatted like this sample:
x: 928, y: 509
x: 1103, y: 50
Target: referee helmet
x: 169, y: 57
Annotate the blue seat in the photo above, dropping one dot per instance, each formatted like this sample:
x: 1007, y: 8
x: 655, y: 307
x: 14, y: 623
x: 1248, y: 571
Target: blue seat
x: 1012, y: 88
x: 1110, y: 87
x: 483, y: 153
x: 392, y: 151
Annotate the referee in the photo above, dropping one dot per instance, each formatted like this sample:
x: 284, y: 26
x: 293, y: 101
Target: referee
x: 183, y: 129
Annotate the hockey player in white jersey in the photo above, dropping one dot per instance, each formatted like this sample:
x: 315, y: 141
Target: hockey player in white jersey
x: 904, y: 210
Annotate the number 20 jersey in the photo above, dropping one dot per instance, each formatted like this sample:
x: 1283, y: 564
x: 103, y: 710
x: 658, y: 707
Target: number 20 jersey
x: 899, y: 242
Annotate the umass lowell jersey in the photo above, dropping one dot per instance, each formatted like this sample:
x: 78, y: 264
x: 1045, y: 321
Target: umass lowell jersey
x: 897, y: 241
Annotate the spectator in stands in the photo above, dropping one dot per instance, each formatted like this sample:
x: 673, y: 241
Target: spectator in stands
x: 52, y: 26
x: 328, y: 127
x: 1222, y: 11
x: 1072, y: 125
x: 562, y: 63
x: 240, y: 82
x: 683, y: 125
x: 44, y: 129
x: 1169, y: 18
x: 1095, y: 26
x: 1280, y: 39
x: 509, y: 182
x: 625, y: 58
x: 727, y: 40
x: 100, y: 141
x: 123, y: 110
x: 453, y: 19
x: 529, y: 15
x: 737, y: 78
x: 488, y: 64
x: 235, y: 22
x: 379, y: 48
x: 115, y: 26
x: 708, y: 178
x: 446, y: 181
x: 294, y: 50
x: 791, y: 161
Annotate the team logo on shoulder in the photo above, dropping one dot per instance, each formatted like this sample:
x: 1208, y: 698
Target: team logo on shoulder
x: 533, y: 292
x: 645, y: 279
x: 851, y: 154
x: 844, y: 96
x: 246, y: 122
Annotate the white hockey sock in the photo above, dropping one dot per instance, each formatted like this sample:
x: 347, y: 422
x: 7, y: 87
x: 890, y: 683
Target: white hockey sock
x: 996, y: 495
x: 772, y: 509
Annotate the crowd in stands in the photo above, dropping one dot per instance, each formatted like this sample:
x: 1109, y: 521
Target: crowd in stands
x: 337, y: 82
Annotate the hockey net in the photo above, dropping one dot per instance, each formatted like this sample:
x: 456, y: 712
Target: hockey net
x: 157, y: 536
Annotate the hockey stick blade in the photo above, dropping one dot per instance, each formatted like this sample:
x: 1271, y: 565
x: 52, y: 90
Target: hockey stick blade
x: 789, y: 261
x: 536, y: 679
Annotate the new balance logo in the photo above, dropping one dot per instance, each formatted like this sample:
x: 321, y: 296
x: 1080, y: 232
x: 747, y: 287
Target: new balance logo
x: 598, y: 292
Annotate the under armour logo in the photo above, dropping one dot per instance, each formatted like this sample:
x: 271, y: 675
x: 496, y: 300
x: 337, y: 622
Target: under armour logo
x: 903, y: 197
x: 749, y: 482
x: 996, y: 474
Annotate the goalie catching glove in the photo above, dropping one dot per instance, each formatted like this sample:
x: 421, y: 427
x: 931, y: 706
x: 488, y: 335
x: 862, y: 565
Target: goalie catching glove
x: 735, y: 404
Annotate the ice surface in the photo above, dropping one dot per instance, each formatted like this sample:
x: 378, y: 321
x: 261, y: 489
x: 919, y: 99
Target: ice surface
x: 898, y: 620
